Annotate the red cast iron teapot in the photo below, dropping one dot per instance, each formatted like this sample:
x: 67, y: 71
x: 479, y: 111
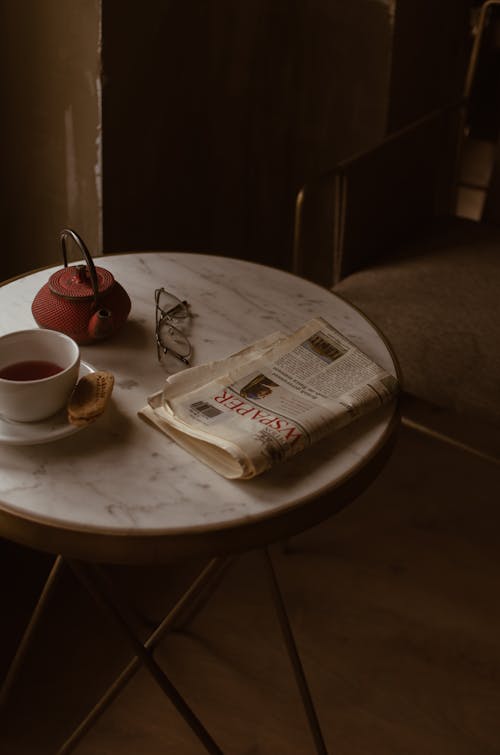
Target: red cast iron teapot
x: 83, y: 301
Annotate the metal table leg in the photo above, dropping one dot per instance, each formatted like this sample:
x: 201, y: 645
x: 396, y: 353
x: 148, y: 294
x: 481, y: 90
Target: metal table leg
x: 293, y: 654
x: 94, y: 581
x: 202, y: 587
x: 30, y: 629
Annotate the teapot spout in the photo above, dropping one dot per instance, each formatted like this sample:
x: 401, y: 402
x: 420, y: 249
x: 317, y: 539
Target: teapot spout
x: 100, y: 324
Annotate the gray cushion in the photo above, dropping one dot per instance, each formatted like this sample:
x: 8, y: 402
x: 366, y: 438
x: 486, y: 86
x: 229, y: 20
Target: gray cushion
x: 439, y: 307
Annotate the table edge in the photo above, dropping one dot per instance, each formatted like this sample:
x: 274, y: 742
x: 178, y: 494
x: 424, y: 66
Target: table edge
x: 160, y: 546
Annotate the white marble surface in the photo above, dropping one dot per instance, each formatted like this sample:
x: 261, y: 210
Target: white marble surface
x: 121, y: 475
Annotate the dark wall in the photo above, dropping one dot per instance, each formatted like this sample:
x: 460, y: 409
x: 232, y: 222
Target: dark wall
x: 430, y: 52
x: 215, y: 113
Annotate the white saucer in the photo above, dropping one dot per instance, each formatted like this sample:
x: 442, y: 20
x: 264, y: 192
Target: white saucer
x: 31, y: 433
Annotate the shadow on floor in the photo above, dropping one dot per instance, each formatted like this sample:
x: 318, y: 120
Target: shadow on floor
x: 395, y: 611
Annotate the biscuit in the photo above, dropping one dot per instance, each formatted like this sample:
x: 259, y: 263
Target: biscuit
x: 89, y: 398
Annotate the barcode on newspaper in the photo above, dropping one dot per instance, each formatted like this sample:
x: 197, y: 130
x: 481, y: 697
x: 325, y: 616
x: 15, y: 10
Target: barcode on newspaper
x: 201, y: 407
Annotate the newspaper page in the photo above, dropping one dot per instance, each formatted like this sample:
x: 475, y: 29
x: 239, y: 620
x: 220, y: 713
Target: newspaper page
x: 262, y: 405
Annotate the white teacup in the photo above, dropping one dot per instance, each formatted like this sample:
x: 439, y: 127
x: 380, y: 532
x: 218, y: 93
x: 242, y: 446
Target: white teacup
x: 38, y: 371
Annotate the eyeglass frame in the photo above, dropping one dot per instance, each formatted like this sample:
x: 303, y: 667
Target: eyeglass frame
x: 169, y: 317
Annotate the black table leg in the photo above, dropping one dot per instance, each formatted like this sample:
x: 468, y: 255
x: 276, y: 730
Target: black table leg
x: 293, y: 654
x: 94, y: 581
x: 30, y: 629
x: 178, y: 615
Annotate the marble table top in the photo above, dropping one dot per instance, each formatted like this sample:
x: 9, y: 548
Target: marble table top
x: 121, y: 479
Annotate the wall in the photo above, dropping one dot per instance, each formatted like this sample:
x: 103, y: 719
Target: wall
x: 215, y: 113
x: 429, y: 58
x: 49, y: 128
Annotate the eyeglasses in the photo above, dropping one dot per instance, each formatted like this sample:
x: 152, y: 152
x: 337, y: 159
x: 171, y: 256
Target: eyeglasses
x: 169, y: 339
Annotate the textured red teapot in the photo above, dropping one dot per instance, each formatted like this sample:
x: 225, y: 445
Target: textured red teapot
x: 83, y: 301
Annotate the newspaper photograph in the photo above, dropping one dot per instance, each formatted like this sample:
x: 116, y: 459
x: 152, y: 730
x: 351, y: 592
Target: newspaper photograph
x: 266, y: 403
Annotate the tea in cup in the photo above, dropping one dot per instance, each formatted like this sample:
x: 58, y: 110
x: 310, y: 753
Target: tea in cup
x: 38, y: 371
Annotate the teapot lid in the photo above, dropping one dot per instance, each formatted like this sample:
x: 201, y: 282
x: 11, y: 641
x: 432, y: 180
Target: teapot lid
x: 75, y: 282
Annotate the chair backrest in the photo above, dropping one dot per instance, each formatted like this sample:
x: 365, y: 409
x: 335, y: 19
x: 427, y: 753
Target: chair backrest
x: 491, y: 209
x: 394, y: 191
x: 360, y: 212
x: 315, y: 241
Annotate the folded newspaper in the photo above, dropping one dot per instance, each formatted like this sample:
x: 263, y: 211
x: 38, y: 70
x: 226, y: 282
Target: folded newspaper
x: 262, y: 405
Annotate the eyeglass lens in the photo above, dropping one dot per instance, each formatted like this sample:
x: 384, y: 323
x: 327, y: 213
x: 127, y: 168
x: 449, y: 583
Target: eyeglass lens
x: 171, y: 306
x: 171, y: 339
x: 170, y: 309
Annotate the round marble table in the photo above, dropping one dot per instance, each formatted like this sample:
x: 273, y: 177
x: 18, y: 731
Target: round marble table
x: 120, y: 491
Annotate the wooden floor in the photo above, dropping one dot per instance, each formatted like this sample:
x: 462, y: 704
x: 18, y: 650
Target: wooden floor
x: 394, y: 603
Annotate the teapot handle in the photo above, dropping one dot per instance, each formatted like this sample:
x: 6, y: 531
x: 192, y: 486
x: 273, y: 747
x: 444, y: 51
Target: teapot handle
x: 90, y: 263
